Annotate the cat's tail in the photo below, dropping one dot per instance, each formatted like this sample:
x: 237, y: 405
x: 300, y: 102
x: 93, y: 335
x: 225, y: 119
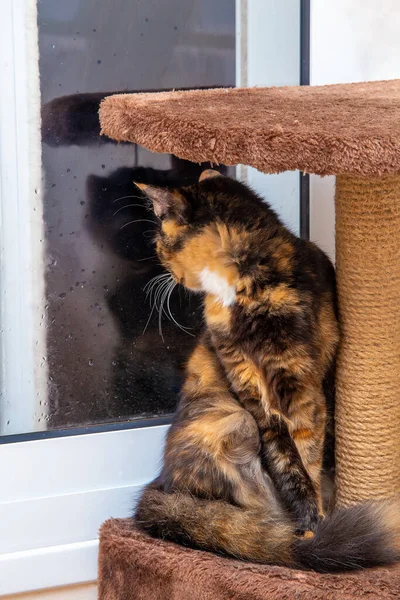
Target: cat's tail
x: 216, y: 526
x: 352, y: 538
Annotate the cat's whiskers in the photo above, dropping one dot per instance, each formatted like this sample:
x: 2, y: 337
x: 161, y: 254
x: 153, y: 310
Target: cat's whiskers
x: 154, y: 257
x: 159, y: 293
x: 148, y: 321
x: 154, y: 284
x: 148, y: 231
x: 129, y: 206
x: 147, y: 204
x: 159, y: 290
x: 163, y: 297
x: 153, y: 287
x: 185, y: 329
x: 130, y: 196
x: 138, y: 221
x: 153, y: 280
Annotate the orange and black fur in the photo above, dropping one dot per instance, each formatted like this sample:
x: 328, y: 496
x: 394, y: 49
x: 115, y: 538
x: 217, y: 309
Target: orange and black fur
x: 243, y: 458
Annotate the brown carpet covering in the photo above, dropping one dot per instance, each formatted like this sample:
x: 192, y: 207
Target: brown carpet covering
x: 133, y: 566
x: 336, y: 129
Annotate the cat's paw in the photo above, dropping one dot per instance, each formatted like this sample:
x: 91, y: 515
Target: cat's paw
x: 308, y: 522
x: 306, y: 535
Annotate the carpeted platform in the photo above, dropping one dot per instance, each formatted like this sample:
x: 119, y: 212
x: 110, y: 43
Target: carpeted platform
x: 133, y: 566
x: 327, y: 130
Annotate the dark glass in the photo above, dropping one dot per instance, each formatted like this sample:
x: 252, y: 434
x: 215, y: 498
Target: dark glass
x: 107, y: 360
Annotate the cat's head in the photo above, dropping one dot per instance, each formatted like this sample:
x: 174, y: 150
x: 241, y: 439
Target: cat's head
x: 202, y: 227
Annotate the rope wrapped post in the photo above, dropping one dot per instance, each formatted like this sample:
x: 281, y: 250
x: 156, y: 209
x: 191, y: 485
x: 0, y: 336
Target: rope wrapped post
x: 368, y: 373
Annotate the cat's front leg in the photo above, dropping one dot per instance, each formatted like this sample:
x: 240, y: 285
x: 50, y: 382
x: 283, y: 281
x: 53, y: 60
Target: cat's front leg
x: 281, y: 459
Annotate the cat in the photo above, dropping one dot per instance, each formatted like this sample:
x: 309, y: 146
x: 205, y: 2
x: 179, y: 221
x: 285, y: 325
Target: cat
x: 243, y: 458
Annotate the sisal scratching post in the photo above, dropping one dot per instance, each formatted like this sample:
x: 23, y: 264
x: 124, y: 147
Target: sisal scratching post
x: 368, y: 377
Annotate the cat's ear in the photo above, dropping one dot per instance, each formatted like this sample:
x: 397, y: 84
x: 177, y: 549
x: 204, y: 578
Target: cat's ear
x: 164, y: 200
x: 209, y: 174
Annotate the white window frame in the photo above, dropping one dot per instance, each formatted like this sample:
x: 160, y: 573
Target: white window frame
x: 22, y: 272
x: 56, y: 492
x: 266, y: 28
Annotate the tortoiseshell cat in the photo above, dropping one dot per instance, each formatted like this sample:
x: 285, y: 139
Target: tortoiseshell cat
x: 243, y: 458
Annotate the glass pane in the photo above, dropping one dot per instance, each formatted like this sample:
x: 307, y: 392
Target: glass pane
x: 108, y: 356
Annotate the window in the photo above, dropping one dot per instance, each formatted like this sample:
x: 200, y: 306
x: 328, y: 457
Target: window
x: 81, y: 351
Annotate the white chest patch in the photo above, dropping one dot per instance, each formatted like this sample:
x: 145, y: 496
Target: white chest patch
x: 215, y: 284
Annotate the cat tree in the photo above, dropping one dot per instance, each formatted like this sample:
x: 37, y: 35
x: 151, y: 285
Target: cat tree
x: 353, y: 132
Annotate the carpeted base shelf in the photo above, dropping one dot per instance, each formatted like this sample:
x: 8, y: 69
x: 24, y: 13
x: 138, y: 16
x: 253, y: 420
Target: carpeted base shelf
x: 133, y: 566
